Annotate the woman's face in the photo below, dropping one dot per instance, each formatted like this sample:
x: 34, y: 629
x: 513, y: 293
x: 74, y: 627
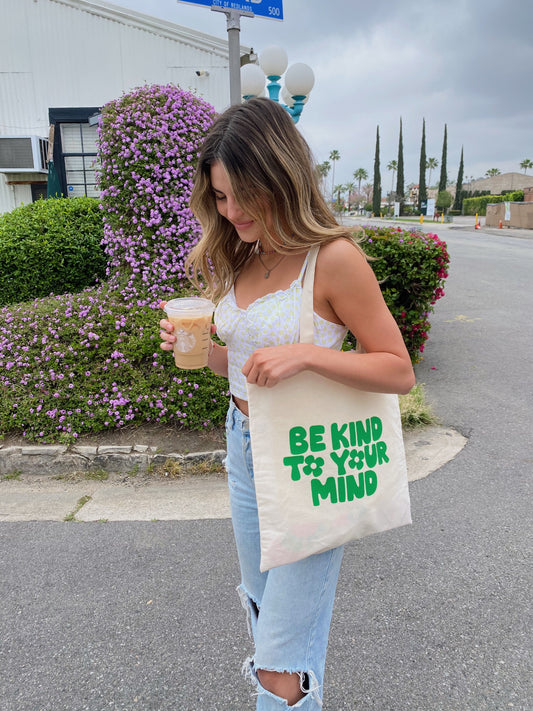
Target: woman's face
x: 247, y: 228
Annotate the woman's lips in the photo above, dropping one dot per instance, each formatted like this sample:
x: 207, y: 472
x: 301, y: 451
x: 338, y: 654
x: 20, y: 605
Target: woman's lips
x: 243, y: 225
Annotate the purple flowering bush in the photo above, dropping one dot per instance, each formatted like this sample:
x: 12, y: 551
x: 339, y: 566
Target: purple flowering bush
x: 85, y: 362
x: 148, y: 144
x: 412, y: 267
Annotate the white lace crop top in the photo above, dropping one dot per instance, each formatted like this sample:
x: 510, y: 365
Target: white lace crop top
x: 271, y: 320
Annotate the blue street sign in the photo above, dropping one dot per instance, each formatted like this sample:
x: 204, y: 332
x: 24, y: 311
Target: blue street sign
x: 273, y: 9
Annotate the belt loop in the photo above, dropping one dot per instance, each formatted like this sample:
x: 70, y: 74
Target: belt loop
x: 234, y: 412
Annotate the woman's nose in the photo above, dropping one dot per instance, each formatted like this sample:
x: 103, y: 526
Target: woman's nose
x: 233, y: 209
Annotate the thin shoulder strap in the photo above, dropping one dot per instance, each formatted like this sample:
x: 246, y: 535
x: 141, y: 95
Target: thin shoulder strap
x: 306, y: 309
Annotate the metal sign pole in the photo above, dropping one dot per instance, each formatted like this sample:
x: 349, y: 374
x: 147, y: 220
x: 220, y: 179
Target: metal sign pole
x: 272, y: 9
x: 233, y: 24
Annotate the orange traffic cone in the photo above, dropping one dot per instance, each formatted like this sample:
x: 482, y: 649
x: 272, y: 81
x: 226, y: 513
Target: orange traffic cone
x: 478, y: 226
x: 500, y: 225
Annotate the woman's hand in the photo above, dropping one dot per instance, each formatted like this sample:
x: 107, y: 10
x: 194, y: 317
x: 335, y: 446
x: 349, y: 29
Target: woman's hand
x: 268, y: 366
x: 166, y: 332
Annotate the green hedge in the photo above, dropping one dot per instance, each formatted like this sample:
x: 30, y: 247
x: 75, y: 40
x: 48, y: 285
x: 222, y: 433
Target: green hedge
x: 478, y: 205
x: 412, y: 267
x: 50, y: 247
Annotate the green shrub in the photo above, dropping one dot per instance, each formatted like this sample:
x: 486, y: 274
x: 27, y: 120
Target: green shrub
x: 411, y: 267
x: 444, y: 200
x: 50, y: 247
x: 478, y: 205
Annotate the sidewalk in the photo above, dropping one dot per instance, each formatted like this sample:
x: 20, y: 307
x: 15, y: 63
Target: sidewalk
x: 30, y: 489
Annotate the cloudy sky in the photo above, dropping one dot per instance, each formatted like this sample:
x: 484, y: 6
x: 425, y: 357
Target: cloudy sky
x: 464, y: 63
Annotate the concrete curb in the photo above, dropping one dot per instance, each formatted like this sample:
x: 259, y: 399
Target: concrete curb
x: 58, y: 459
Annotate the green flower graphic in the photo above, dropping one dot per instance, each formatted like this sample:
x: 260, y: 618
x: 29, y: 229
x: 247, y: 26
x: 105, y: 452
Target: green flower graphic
x: 313, y: 465
x: 357, y: 459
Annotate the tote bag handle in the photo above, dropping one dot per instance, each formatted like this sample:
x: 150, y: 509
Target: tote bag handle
x: 306, y: 309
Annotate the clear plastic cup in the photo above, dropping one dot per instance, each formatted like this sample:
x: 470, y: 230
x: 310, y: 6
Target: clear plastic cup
x: 191, y: 318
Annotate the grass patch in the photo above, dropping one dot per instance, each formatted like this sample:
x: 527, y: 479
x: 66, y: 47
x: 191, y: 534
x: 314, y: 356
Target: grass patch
x: 97, y: 475
x: 414, y: 409
x: 15, y: 475
x: 173, y: 469
x: 81, y: 503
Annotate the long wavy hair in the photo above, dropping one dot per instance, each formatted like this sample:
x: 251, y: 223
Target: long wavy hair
x: 271, y: 171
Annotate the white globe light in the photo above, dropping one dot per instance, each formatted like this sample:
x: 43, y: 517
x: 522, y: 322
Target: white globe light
x: 287, y: 98
x: 299, y: 79
x: 273, y: 60
x: 252, y: 80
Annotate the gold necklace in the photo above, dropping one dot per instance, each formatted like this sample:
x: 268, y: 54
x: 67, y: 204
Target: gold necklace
x: 267, y: 272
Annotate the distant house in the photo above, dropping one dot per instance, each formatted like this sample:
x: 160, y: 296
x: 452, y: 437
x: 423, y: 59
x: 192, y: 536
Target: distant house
x: 62, y: 60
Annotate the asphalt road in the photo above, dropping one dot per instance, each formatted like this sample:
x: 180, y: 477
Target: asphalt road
x: 433, y: 617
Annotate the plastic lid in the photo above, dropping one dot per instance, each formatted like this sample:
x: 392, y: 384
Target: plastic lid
x: 190, y: 304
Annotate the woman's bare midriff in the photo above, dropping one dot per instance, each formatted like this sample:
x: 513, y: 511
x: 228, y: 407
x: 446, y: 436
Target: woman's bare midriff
x: 241, y: 404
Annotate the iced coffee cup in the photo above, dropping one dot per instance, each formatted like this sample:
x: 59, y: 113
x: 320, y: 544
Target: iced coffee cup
x: 191, y: 318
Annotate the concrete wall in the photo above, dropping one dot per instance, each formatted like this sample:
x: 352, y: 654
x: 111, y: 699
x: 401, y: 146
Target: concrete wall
x: 499, y: 183
x: 521, y: 215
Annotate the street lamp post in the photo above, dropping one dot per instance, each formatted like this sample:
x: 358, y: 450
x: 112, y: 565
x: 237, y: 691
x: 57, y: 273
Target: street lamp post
x: 298, y: 80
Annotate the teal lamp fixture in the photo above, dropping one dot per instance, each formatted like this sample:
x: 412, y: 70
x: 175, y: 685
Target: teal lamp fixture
x: 298, y: 80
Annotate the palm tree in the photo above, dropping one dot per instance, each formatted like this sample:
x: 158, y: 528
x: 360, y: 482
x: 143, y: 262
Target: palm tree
x: 431, y: 164
x: 492, y: 172
x: 525, y: 164
x: 334, y: 156
x: 323, y: 170
x: 368, y: 189
x: 393, y: 165
x: 338, y: 190
x: 349, y: 187
x: 360, y: 174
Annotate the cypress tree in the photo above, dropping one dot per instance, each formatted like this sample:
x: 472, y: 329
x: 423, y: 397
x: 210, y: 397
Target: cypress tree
x: 422, y: 190
x: 443, y: 182
x: 400, y: 188
x: 376, y: 197
x: 458, y: 202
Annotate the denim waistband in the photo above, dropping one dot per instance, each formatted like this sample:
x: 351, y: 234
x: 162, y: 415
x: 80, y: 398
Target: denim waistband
x: 236, y: 418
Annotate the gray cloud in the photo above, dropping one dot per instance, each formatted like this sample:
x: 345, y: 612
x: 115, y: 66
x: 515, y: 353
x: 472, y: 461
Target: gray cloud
x: 465, y: 63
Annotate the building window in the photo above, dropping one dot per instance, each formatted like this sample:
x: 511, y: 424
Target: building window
x: 78, y: 143
x: 75, y: 151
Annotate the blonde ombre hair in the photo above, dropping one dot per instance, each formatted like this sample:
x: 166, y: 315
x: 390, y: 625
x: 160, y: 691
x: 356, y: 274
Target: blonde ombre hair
x: 271, y: 169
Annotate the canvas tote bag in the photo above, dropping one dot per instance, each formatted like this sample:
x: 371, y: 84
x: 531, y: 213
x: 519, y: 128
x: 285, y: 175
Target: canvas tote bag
x: 329, y: 460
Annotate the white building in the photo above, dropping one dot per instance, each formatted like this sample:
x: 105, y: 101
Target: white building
x: 61, y: 60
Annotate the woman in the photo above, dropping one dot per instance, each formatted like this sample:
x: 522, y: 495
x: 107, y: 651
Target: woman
x: 257, y: 199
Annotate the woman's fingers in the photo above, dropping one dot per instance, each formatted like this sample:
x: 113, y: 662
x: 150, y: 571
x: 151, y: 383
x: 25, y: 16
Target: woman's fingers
x: 166, y: 334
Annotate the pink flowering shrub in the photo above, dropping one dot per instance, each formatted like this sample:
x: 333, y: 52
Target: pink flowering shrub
x: 79, y: 363
x: 412, y: 267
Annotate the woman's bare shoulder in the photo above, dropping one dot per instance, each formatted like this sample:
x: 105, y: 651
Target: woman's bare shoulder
x: 340, y: 255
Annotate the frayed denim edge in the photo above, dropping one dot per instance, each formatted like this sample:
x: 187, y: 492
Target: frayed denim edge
x: 313, y: 692
x: 246, y: 600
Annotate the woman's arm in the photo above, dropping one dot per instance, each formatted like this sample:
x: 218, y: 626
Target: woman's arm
x: 346, y: 291
x: 218, y: 359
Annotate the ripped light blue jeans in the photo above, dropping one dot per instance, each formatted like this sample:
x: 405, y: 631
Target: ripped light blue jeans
x: 289, y: 607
